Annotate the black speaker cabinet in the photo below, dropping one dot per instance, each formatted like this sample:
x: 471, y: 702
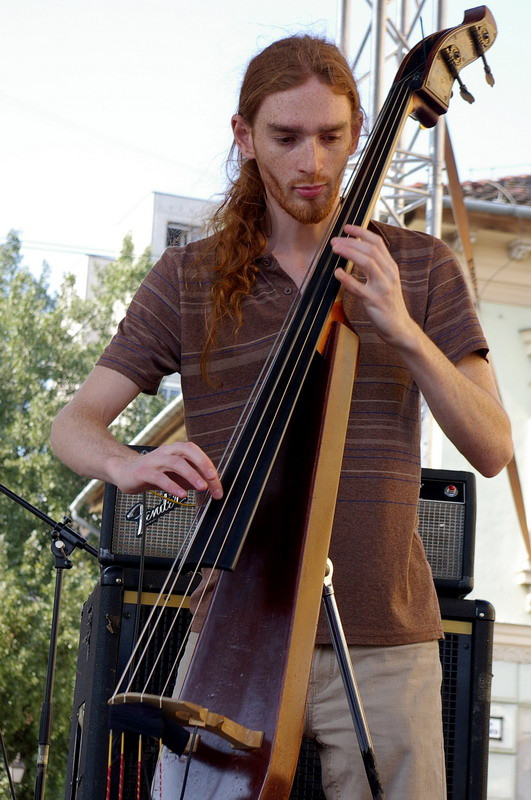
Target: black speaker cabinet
x: 108, y: 623
x: 106, y: 635
x: 447, y: 523
x: 466, y: 658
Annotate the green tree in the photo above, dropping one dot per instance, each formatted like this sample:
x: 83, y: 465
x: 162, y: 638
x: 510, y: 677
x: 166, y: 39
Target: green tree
x: 50, y: 343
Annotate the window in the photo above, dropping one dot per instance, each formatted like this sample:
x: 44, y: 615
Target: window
x: 177, y: 235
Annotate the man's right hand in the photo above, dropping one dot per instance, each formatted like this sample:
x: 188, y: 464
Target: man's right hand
x: 172, y: 468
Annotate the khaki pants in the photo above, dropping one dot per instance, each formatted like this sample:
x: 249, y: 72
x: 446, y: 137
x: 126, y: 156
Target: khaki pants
x: 400, y: 694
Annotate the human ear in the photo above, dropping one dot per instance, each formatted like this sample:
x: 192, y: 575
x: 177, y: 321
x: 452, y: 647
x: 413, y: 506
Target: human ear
x: 354, y: 143
x: 243, y: 136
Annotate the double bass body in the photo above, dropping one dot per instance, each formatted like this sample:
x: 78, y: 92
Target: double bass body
x: 253, y: 657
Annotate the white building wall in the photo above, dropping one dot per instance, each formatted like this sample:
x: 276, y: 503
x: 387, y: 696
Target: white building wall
x: 148, y: 221
x: 169, y: 209
x: 510, y: 747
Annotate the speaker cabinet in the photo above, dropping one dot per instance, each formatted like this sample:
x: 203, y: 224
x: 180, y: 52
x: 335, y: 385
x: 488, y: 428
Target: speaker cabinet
x: 108, y: 624
x: 466, y: 659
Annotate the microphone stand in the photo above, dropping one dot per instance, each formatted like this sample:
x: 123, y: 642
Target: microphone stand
x: 340, y: 645
x: 64, y: 542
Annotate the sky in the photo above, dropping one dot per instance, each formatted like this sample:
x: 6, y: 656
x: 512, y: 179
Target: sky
x: 105, y: 101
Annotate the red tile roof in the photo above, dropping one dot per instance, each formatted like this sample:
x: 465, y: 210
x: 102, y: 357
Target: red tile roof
x: 513, y: 189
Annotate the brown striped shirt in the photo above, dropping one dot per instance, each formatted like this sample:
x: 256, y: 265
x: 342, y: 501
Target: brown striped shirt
x: 382, y: 580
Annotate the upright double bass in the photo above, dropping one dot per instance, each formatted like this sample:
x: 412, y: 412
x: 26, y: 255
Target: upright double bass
x: 247, y: 682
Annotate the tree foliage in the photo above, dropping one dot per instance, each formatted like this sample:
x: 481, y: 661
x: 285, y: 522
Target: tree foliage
x: 49, y: 345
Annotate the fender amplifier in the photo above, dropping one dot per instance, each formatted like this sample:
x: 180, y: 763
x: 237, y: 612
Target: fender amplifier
x: 167, y: 521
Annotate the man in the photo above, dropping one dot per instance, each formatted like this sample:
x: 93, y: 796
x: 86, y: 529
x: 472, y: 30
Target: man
x: 212, y: 311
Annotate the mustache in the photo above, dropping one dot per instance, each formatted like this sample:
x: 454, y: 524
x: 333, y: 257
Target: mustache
x: 311, y: 180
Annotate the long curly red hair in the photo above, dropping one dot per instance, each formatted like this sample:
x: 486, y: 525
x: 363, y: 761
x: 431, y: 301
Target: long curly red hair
x: 240, y: 224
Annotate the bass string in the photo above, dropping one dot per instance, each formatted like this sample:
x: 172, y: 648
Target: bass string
x: 161, y: 602
x: 142, y: 564
x: 159, y: 607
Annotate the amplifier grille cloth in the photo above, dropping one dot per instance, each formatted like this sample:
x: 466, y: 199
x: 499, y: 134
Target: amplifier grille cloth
x: 163, y: 658
x: 164, y: 539
x: 441, y: 526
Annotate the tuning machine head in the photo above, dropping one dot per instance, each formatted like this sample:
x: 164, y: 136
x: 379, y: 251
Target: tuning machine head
x: 489, y: 77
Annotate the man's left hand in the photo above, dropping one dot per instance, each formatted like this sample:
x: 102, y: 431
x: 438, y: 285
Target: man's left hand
x: 375, y: 280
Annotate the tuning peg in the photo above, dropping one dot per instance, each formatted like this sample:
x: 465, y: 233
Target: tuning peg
x: 465, y: 94
x: 489, y: 77
x: 481, y: 42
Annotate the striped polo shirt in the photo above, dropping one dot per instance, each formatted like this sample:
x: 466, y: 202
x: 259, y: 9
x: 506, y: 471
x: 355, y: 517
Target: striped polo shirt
x: 382, y: 579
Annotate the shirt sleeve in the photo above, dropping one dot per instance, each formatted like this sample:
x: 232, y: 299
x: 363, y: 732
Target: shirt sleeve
x: 451, y: 319
x: 147, y: 343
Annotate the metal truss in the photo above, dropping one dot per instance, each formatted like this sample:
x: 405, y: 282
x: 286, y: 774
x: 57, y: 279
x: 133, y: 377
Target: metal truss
x: 385, y: 30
